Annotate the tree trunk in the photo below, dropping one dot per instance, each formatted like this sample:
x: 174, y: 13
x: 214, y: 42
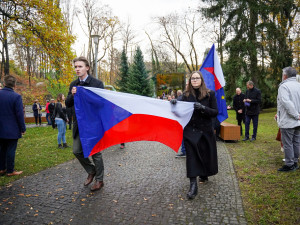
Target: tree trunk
x: 6, y: 61
x: 252, y: 39
x: 221, y: 41
x: 28, y: 65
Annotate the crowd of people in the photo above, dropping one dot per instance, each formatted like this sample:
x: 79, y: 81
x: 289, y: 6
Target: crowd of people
x: 199, y: 139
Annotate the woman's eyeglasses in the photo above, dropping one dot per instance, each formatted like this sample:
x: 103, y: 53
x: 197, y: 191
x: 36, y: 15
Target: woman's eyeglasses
x: 195, y: 78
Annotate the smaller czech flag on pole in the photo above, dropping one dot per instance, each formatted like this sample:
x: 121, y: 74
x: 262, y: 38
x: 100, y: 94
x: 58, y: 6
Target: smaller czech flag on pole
x: 214, y: 79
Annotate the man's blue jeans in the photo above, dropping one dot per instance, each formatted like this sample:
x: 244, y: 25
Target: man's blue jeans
x: 48, y: 118
x: 183, y: 148
x: 254, y: 118
x: 7, y: 154
x: 61, y: 126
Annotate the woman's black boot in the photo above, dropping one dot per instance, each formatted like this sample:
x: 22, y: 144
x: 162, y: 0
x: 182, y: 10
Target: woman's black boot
x: 203, y: 179
x: 193, y: 188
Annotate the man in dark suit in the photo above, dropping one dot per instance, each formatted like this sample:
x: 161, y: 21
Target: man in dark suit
x: 51, y: 110
x: 12, y: 126
x: 251, y: 101
x: 93, y: 167
x: 239, y: 107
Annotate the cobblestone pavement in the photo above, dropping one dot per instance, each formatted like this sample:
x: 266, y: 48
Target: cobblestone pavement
x: 144, y: 184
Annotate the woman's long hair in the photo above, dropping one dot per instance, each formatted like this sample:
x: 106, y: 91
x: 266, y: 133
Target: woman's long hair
x: 203, y: 90
x: 59, y: 99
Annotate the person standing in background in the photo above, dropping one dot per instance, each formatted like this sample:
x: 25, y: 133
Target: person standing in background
x: 70, y: 114
x: 251, y: 101
x: 12, y: 126
x: 182, y: 154
x: 37, y: 108
x: 239, y: 107
x: 51, y: 110
x: 48, y: 118
x: 288, y: 118
x: 61, y: 120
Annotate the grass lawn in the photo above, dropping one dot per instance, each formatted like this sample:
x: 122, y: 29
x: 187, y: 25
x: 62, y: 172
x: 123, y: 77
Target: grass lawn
x: 269, y: 197
x: 37, y: 150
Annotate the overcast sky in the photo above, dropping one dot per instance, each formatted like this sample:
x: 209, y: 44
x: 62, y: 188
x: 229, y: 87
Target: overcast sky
x: 140, y: 15
x: 141, y: 11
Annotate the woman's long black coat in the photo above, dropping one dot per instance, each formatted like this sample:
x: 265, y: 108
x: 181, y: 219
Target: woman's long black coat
x: 199, y: 138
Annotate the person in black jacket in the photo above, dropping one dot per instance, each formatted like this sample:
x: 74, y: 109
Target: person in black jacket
x: 239, y: 107
x: 252, y: 101
x: 94, y: 168
x: 70, y: 114
x: 37, y: 112
x: 51, y: 110
x: 198, y: 134
x: 61, y: 119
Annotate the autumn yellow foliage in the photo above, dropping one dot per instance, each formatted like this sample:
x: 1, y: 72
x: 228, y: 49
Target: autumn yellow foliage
x: 42, y: 23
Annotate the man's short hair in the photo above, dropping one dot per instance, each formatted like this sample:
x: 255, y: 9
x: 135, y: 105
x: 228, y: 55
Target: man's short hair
x: 82, y: 59
x: 250, y: 83
x: 10, y: 81
x: 289, y: 71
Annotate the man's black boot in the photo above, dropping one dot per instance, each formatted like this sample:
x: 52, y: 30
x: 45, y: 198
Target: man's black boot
x: 193, y: 189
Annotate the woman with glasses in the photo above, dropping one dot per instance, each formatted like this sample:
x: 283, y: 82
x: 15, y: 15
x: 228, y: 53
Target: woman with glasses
x: 198, y: 135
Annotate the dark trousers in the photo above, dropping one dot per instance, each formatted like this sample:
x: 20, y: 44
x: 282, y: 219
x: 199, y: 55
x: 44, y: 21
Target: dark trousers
x: 254, y: 119
x: 38, y: 118
x: 183, y: 148
x: 217, y: 127
x: 240, y: 121
x: 48, y: 118
x: 93, y: 164
x: 52, y: 121
x: 70, y: 122
x: 7, y: 154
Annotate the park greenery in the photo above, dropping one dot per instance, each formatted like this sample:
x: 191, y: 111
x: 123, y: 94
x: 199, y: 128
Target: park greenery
x: 255, y: 40
x: 134, y: 78
x: 259, y: 38
x: 269, y: 197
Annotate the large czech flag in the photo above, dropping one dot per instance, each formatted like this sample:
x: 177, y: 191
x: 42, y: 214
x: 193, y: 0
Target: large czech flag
x: 214, y: 79
x: 106, y: 118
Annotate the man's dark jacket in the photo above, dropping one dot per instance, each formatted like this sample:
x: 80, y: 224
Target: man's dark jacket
x: 51, y: 107
x: 90, y: 82
x: 239, y: 104
x: 35, y: 109
x: 254, y: 95
x: 12, y: 123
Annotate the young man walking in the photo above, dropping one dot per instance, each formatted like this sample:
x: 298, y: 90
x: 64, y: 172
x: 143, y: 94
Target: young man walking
x: 93, y: 167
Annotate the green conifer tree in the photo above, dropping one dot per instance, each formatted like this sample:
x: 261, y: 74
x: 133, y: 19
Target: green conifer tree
x: 123, y: 73
x: 138, y: 82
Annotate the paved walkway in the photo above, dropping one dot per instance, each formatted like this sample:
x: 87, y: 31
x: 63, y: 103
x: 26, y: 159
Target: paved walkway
x: 144, y: 184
